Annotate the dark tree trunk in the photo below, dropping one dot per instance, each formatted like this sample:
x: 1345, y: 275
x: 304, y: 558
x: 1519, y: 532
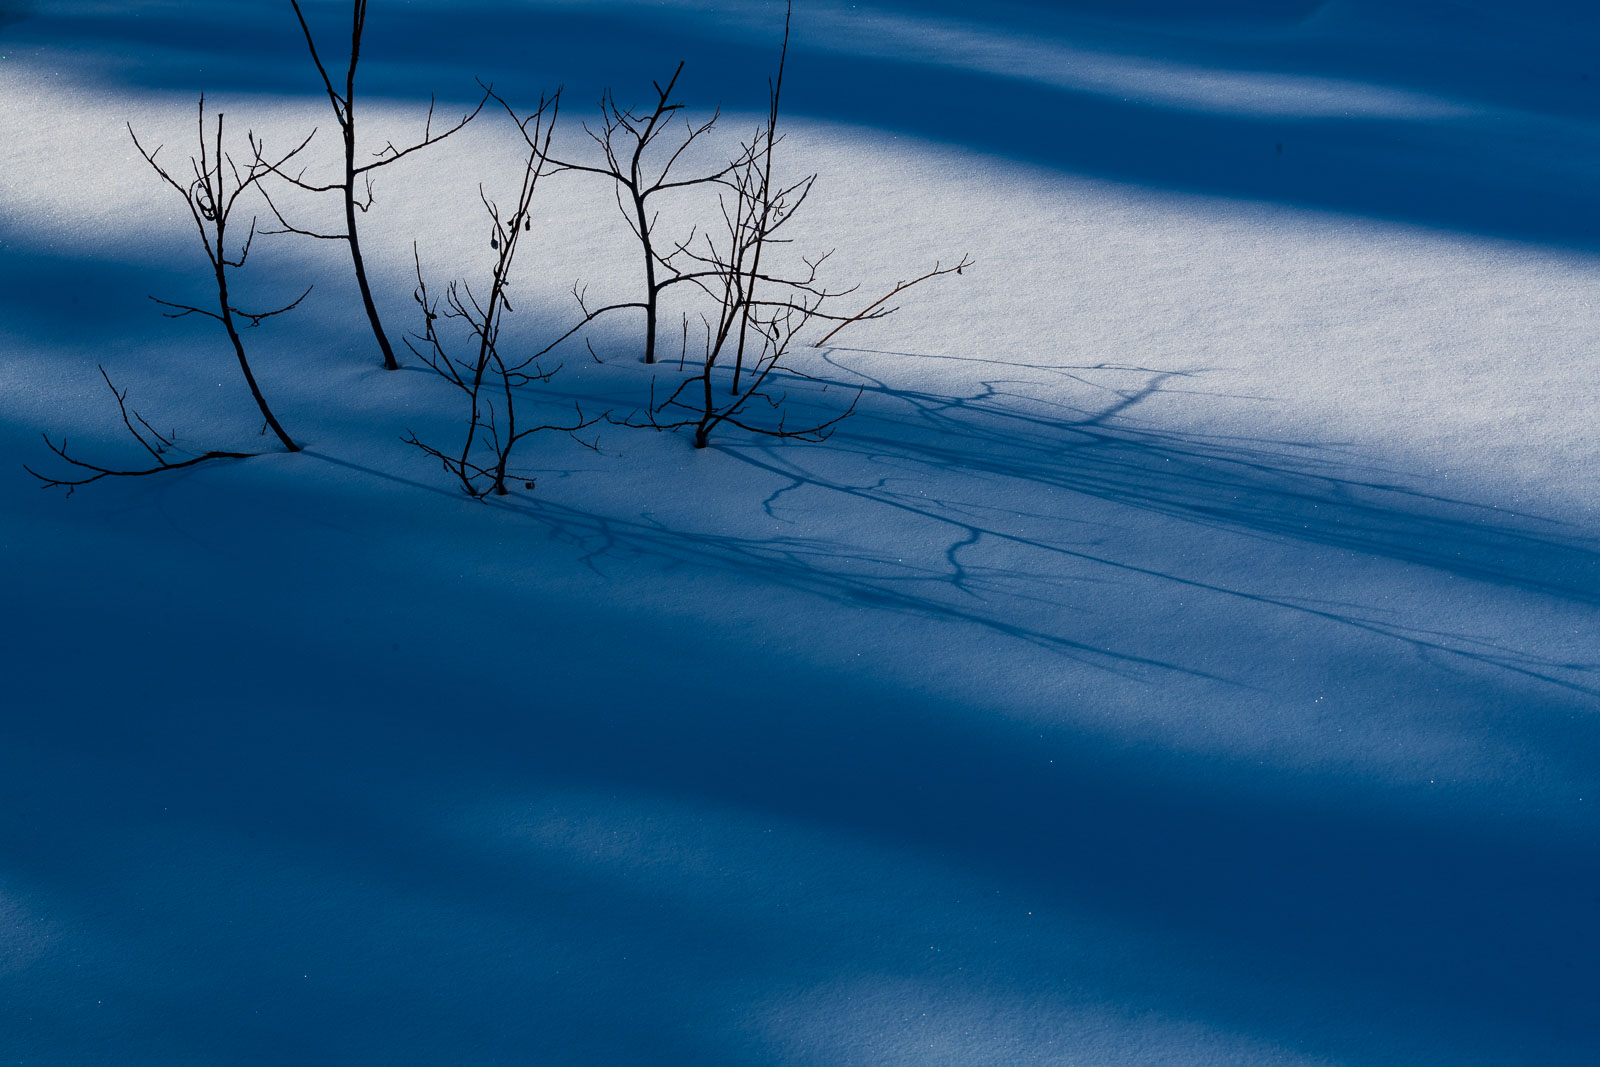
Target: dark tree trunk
x: 389, y: 362
x: 238, y: 348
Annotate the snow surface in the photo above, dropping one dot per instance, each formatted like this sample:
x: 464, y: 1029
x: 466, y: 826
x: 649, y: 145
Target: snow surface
x: 1187, y: 654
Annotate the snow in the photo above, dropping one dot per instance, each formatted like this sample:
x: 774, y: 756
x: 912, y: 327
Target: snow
x: 1187, y: 653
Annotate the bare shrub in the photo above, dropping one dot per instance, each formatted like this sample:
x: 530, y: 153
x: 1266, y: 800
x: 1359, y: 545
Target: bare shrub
x: 211, y: 196
x: 344, y: 112
x: 490, y: 379
x: 759, y: 312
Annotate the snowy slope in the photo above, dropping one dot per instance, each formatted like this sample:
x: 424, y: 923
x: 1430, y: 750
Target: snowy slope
x: 1188, y: 652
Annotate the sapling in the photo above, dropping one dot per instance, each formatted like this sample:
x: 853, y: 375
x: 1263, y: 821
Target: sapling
x: 211, y: 197
x: 759, y: 311
x: 344, y: 112
x: 488, y: 377
x: 626, y: 139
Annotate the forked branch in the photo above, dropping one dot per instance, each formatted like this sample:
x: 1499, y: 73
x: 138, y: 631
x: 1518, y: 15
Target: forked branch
x: 344, y: 113
x: 211, y: 196
x: 876, y: 308
x: 488, y: 377
x: 152, y: 441
x: 627, y: 139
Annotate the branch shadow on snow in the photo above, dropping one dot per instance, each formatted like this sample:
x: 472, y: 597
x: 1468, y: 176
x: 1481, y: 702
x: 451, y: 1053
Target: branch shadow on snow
x: 266, y: 807
x: 1010, y: 429
x: 310, y: 821
x: 303, y: 853
x: 958, y: 476
x: 993, y: 467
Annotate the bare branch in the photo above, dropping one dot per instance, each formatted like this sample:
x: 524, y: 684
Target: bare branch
x: 287, y: 227
x: 340, y: 105
x: 255, y: 317
x: 900, y: 287
x: 185, y: 309
x: 96, y: 472
x: 390, y: 154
